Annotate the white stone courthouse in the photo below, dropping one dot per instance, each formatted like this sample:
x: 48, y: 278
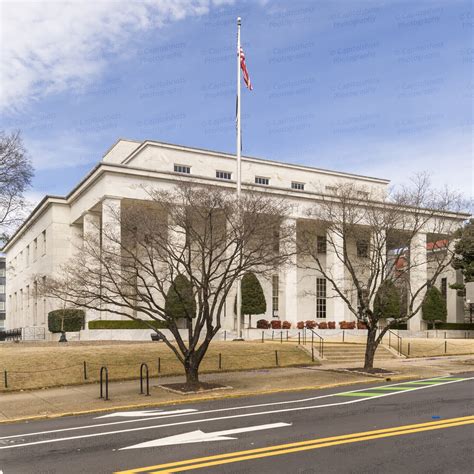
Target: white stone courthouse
x: 56, y: 226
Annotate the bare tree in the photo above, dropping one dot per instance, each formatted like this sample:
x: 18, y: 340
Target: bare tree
x: 374, y: 239
x: 201, y: 233
x: 16, y: 172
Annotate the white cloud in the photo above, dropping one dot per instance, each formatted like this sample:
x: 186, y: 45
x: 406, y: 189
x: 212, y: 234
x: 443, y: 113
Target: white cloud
x: 62, y: 151
x: 445, y: 154
x: 48, y: 47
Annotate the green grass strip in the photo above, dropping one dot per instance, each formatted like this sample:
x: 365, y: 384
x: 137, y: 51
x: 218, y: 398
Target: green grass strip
x: 357, y: 394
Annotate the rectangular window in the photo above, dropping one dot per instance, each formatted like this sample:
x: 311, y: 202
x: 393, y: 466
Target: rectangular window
x: 321, y: 244
x: 43, y: 246
x: 2, y: 305
x: 2, y: 271
x: 223, y: 175
x: 27, y: 255
x: 320, y: 298
x: 362, y: 248
x: 182, y: 169
x: 444, y: 288
x: 35, y: 249
x: 297, y: 186
x: 275, y: 291
x: 262, y: 180
x: 2, y: 289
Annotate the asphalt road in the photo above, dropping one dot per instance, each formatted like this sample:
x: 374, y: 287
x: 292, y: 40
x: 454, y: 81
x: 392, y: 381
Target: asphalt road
x: 423, y: 426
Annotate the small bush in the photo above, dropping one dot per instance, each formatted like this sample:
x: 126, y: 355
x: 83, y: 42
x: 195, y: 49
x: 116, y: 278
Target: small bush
x: 68, y: 320
x: 125, y: 324
x: 331, y: 325
x: 323, y: 325
x: 263, y: 324
x: 300, y: 324
x: 311, y: 324
x: 276, y: 324
x: 361, y: 325
x: 286, y: 325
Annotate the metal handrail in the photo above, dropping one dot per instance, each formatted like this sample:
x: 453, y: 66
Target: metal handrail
x: 321, y: 342
x: 399, y: 341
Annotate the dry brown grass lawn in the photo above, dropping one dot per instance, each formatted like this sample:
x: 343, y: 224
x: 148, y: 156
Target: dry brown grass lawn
x: 39, y: 365
x: 436, y: 347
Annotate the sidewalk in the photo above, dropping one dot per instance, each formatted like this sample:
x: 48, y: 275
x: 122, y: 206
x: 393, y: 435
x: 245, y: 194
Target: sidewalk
x: 85, y: 398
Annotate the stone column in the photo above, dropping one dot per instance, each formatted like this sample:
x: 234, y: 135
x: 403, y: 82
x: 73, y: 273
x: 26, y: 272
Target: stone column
x: 91, y: 242
x: 290, y: 278
x: 378, y: 258
x: 335, y: 268
x: 111, y: 238
x: 176, y: 241
x: 418, y: 276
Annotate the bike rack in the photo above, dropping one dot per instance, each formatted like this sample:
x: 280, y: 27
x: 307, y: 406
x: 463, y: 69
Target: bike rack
x: 144, y: 366
x: 102, y: 370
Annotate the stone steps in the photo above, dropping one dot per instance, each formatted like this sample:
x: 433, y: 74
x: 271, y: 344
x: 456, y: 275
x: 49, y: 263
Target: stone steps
x: 350, y: 353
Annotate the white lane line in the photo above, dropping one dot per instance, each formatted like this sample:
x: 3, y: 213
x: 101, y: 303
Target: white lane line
x: 145, y: 413
x: 204, y: 412
x: 199, y: 436
x: 243, y: 415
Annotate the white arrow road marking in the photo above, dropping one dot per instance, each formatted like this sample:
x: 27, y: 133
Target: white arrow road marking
x: 199, y: 436
x: 145, y: 413
x: 260, y: 405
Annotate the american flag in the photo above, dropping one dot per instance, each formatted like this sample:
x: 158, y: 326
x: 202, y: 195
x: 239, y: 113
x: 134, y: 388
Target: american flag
x: 245, y: 73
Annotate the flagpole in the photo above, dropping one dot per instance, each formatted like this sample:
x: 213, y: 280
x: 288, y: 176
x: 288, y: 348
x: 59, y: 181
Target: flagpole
x: 239, y: 180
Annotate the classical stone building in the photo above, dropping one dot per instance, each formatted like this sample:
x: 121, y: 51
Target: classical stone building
x: 48, y: 237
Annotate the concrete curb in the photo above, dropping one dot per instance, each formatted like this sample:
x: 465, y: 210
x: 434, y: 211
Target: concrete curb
x: 193, y: 400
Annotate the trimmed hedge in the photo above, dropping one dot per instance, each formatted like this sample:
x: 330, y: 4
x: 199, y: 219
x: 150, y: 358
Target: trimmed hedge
x: 125, y: 324
x: 73, y: 320
x: 461, y: 326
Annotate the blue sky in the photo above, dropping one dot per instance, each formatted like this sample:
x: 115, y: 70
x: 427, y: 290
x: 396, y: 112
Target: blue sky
x: 381, y: 88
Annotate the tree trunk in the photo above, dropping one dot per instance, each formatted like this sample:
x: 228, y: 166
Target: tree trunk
x: 191, y: 368
x: 192, y: 376
x: 370, y: 347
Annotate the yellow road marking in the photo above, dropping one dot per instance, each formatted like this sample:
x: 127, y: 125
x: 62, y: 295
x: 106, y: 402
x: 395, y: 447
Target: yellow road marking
x: 225, y: 458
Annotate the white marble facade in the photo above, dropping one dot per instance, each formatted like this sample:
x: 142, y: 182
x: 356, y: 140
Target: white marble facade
x: 52, y: 231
